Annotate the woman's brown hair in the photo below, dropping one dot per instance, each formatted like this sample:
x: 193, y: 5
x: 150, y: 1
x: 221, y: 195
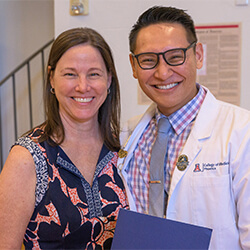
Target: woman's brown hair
x: 109, y: 112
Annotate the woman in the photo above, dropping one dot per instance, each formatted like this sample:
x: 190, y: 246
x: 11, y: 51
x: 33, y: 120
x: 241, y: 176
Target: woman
x: 59, y: 187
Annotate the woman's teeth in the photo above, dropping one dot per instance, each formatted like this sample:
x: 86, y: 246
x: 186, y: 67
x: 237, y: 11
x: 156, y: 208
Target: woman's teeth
x: 83, y: 100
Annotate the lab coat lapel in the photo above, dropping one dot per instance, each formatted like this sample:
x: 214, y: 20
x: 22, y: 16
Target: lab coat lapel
x: 130, y: 145
x: 200, y: 133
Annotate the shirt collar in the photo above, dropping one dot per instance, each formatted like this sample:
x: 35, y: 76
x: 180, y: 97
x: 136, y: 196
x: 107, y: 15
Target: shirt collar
x: 186, y: 114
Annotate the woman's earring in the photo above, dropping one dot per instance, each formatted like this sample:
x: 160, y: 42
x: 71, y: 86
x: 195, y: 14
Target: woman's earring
x: 108, y: 91
x: 52, y: 91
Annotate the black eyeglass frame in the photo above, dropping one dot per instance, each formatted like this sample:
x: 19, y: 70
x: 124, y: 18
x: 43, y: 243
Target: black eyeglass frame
x: 163, y: 55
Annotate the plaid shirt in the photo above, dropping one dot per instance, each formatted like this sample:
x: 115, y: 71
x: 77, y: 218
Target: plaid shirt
x: 138, y: 169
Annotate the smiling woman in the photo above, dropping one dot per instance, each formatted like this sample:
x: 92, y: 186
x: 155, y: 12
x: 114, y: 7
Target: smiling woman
x: 80, y: 81
x: 63, y: 173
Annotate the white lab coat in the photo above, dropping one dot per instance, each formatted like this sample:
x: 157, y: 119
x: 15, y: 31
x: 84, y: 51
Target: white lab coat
x: 217, y: 196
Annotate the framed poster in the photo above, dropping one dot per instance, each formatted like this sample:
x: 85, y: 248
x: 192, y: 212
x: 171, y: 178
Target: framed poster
x: 221, y: 71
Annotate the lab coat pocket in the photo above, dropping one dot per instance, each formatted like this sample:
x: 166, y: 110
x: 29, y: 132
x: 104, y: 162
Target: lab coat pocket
x: 212, y: 199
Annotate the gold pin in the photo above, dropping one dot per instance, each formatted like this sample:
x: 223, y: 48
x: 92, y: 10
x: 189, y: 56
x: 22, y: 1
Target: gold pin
x: 153, y: 182
x: 122, y: 153
x: 182, y: 162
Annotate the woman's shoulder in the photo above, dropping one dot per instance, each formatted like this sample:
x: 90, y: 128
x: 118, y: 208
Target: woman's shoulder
x: 30, y: 141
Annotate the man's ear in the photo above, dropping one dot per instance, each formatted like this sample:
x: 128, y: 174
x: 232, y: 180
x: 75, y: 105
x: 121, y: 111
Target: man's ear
x: 132, y: 63
x: 199, y: 55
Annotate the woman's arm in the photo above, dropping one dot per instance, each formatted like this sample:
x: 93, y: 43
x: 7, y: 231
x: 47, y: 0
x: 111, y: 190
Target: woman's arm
x: 17, y: 197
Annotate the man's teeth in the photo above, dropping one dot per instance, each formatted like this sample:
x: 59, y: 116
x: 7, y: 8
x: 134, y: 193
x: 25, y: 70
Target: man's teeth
x: 169, y: 86
x: 84, y: 100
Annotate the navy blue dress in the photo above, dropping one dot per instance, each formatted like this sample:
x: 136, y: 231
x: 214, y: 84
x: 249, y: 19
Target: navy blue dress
x: 69, y: 213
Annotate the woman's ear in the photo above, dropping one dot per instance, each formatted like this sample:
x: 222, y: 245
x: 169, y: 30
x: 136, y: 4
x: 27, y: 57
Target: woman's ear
x: 50, y: 73
x: 109, y: 80
x: 199, y: 55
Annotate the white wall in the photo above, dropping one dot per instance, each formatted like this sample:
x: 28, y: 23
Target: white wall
x: 25, y: 26
x: 114, y: 18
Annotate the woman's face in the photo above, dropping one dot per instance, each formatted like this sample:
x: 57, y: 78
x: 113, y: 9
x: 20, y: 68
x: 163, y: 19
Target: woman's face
x: 81, y: 82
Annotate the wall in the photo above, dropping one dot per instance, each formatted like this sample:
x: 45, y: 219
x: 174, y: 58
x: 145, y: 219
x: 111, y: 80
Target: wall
x: 25, y: 26
x: 114, y: 18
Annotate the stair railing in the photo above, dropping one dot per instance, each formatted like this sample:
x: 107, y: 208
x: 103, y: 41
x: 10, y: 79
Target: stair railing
x: 12, y: 76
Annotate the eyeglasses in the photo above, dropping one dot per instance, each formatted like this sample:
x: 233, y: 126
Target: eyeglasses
x: 172, y: 57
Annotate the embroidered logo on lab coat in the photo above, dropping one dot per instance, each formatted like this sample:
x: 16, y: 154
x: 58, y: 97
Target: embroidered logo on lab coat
x: 208, y: 166
x: 197, y: 168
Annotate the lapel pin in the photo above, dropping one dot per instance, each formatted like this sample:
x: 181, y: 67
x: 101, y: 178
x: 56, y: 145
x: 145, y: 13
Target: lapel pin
x: 122, y: 153
x: 182, y: 162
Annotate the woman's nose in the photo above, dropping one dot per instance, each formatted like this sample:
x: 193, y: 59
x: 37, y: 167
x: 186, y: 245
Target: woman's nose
x: 82, y: 85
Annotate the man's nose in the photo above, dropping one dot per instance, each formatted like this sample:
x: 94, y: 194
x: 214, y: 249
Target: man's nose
x: 163, y: 70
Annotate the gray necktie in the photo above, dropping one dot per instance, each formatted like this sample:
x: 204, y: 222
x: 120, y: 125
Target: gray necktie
x: 156, y: 184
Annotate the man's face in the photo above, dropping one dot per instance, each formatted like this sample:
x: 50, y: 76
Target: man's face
x: 170, y: 87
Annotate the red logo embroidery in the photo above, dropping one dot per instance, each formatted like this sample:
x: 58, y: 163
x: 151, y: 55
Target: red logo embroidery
x: 197, y: 168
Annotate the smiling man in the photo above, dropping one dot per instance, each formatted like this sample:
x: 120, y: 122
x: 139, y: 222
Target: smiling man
x: 203, y: 132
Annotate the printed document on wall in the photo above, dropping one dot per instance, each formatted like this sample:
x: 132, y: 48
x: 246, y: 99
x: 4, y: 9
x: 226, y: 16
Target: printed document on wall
x: 221, y: 71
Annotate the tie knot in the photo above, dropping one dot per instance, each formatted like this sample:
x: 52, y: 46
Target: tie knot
x: 164, y: 125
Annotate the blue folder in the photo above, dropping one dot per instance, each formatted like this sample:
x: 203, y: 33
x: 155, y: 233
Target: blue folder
x: 140, y: 231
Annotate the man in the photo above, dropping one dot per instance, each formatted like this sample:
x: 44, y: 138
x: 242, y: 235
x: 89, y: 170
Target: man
x: 207, y: 158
